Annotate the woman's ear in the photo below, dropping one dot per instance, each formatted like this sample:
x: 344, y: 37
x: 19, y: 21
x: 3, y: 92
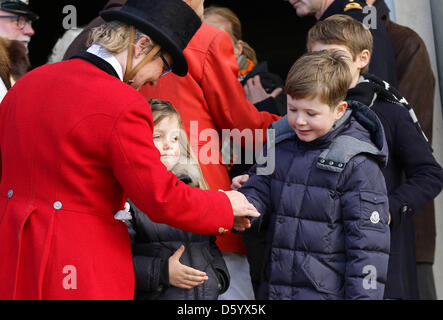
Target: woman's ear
x: 238, y: 48
x: 364, y: 58
x: 340, y: 110
x: 142, y: 47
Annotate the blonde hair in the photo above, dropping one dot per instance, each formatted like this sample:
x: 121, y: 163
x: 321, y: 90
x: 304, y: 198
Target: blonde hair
x: 342, y: 30
x: 234, y: 30
x: 321, y: 74
x: 188, y: 163
x: 113, y: 36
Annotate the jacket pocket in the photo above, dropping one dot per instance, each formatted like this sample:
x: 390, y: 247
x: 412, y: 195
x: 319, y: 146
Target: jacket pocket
x: 374, y: 211
x: 323, y: 278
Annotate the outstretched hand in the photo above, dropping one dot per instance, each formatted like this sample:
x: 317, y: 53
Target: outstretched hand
x: 182, y: 276
x: 242, y: 209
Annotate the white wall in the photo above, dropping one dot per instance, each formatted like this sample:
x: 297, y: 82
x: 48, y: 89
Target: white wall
x: 417, y: 15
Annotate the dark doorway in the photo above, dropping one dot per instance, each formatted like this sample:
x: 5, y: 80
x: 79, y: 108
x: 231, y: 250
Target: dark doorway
x: 50, y: 27
x: 271, y: 27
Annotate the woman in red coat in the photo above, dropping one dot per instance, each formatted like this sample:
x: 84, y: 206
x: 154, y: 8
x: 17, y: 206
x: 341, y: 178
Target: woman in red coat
x: 76, y: 142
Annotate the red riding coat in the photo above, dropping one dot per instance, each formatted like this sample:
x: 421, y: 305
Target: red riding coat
x: 75, y: 142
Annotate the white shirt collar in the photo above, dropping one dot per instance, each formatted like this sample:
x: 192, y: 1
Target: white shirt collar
x: 3, y: 90
x: 101, y: 52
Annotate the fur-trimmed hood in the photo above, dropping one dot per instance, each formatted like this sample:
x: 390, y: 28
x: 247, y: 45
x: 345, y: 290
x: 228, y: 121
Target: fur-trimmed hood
x: 14, y: 61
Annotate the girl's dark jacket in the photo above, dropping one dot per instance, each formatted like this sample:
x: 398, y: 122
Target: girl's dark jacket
x: 327, y: 210
x: 413, y: 179
x: 153, y: 244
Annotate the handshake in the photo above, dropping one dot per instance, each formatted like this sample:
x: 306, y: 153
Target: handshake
x: 241, y: 206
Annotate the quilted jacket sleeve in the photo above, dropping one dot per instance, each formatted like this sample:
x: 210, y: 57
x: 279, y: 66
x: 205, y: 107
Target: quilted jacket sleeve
x: 258, y: 192
x: 367, y: 237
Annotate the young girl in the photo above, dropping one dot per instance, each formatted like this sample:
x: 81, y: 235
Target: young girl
x: 171, y: 264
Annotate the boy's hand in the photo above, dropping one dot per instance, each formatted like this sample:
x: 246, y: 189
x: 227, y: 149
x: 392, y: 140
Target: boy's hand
x: 182, y: 276
x: 238, y: 181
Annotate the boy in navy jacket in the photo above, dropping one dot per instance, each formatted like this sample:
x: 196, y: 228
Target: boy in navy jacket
x: 326, y: 202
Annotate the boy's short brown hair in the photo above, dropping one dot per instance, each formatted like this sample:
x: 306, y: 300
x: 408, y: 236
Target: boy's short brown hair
x: 323, y: 74
x: 342, y: 30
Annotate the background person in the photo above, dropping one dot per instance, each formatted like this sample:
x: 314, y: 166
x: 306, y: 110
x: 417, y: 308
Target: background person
x: 416, y: 82
x: 16, y: 20
x: 273, y: 98
x: 383, y: 60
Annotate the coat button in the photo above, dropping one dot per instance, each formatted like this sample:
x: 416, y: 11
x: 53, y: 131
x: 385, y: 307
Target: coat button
x: 331, y: 163
x: 57, y: 205
x: 405, y: 208
x: 10, y: 193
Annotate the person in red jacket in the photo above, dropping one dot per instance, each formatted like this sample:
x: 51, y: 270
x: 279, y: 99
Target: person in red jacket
x: 76, y: 143
x: 209, y: 99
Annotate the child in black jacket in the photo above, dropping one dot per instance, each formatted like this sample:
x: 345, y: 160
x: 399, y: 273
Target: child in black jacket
x: 171, y: 264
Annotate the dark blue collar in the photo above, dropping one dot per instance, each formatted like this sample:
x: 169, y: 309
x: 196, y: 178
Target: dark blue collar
x: 96, y: 61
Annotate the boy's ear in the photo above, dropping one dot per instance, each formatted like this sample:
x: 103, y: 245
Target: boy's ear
x: 340, y: 110
x: 364, y: 58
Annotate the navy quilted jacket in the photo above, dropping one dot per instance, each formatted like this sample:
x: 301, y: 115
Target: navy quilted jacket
x: 326, y: 208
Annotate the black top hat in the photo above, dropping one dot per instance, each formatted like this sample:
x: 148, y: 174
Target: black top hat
x: 170, y: 23
x: 18, y: 6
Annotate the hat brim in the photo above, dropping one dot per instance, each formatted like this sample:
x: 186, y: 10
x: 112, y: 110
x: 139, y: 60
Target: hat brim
x: 180, y: 65
x: 31, y: 14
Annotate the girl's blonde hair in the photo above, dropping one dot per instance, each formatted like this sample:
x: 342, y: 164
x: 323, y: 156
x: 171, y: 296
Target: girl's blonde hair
x: 187, y: 163
x: 234, y: 30
x: 113, y: 36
